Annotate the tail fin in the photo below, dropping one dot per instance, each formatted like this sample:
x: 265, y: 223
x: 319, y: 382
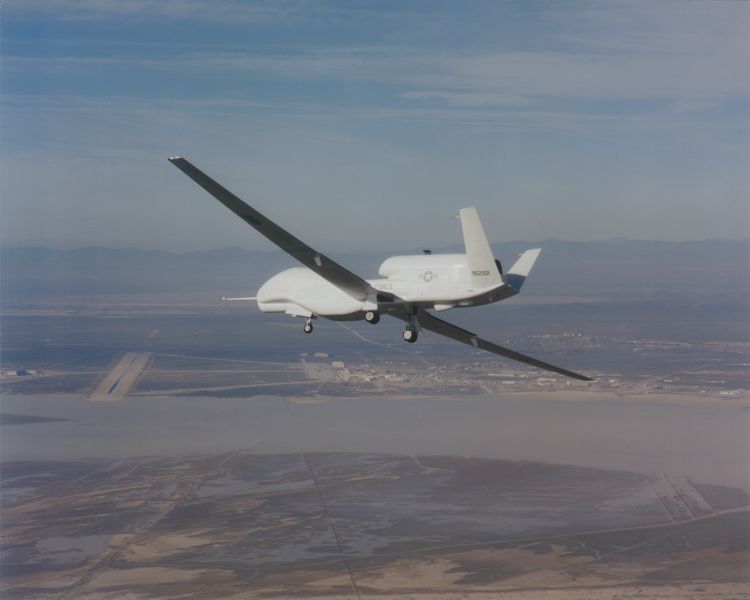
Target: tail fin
x: 482, y: 267
x: 521, y: 269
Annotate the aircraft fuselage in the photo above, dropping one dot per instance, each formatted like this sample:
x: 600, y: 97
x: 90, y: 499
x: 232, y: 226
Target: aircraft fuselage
x: 438, y: 281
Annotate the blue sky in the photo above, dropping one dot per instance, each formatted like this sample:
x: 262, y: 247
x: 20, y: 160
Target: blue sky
x: 367, y: 125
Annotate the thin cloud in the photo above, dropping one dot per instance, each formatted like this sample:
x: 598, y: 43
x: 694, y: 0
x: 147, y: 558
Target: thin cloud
x: 686, y: 54
x: 468, y: 98
x: 500, y: 78
x: 234, y: 11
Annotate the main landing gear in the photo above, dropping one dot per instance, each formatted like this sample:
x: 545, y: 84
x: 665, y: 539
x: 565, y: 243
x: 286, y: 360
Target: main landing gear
x: 410, y: 335
x: 308, y: 328
x: 372, y: 317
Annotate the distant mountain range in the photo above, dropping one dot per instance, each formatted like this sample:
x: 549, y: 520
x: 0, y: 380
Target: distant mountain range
x: 613, y: 270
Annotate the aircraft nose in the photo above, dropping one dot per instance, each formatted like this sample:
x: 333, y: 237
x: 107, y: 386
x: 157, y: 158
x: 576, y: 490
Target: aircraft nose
x: 263, y: 295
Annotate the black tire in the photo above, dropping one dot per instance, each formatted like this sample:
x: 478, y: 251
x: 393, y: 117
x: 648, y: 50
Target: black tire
x: 372, y: 317
x: 410, y: 335
x: 308, y: 328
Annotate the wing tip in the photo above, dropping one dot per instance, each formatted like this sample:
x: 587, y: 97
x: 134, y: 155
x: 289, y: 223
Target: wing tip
x: 574, y: 375
x: 174, y: 158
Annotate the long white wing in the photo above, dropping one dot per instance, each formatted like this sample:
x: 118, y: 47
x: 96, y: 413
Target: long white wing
x: 352, y: 284
x: 431, y: 323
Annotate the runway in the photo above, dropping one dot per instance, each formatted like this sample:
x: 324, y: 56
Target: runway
x: 121, y: 378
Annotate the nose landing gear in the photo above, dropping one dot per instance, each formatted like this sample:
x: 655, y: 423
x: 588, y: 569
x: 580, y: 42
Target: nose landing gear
x: 372, y: 317
x: 308, y: 328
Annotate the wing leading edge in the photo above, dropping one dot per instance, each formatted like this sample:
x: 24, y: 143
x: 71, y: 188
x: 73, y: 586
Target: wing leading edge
x: 431, y: 323
x: 352, y: 284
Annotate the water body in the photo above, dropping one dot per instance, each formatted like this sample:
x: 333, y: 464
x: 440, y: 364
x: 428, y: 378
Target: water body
x: 708, y: 444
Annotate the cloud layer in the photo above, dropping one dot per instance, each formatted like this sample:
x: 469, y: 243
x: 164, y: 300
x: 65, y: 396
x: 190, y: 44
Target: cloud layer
x: 565, y: 120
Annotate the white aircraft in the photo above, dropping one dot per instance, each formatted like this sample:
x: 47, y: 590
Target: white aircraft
x: 409, y: 285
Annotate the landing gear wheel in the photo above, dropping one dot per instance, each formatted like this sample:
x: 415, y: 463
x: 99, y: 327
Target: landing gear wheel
x: 308, y: 328
x: 372, y: 317
x: 410, y: 335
